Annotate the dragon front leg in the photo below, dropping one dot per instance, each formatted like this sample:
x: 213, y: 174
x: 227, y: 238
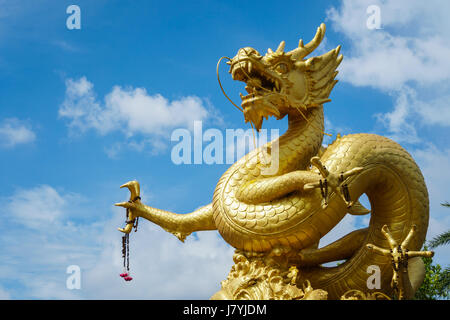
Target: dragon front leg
x: 180, y: 225
x: 269, y: 188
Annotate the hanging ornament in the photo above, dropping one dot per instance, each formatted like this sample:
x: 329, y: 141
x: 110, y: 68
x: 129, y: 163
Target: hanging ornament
x: 126, y: 275
x: 131, y: 222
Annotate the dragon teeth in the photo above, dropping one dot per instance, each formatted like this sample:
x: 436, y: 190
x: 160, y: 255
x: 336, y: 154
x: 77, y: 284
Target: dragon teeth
x: 277, y: 85
x: 249, y: 67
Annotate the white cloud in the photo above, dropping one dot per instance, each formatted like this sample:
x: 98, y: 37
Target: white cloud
x: 436, y: 111
x: 162, y: 266
x: 43, y: 207
x: 34, y: 207
x: 434, y: 164
x: 4, y: 295
x: 344, y: 227
x: 131, y: 111
x: 411, y: 46
x: 64, y: 45
x: 399, y: 121
x: 14, y: 131
x: 40, y: 239
x: 113, y: 151
x: 407, y: 58
x: 332, y: 130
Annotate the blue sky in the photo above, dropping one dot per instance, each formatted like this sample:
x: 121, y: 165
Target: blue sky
x: 83, y: 111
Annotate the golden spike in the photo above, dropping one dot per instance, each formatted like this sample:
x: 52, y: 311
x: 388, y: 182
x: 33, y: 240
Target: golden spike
x: 281, y: 47
x: 303, y: 51
x: 339, y: 60
x: 325, y: 80
x: 269, y: 51
x: 314, y: 43
x: 329, y: 63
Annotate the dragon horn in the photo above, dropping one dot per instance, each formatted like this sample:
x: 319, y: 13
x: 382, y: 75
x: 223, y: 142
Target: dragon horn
x: 281, y: 47
x: 303, y: 50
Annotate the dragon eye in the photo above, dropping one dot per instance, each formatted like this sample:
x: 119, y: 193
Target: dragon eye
x: 281, y: 68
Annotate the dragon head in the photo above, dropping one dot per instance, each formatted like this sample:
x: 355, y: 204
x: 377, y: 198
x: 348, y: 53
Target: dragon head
x: 281, y: 83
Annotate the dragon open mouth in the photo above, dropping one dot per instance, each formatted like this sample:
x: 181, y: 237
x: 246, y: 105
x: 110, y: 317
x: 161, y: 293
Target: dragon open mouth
x: 260, y: 86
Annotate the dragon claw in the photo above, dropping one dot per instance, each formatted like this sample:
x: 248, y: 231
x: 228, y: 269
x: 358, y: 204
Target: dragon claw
x: 134, y: 188
x: 333, y: 181
x: 399, y: 254
x: 126, y: 204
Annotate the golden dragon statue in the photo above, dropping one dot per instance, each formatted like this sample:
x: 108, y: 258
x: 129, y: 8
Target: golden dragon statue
x: 275, y: 221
